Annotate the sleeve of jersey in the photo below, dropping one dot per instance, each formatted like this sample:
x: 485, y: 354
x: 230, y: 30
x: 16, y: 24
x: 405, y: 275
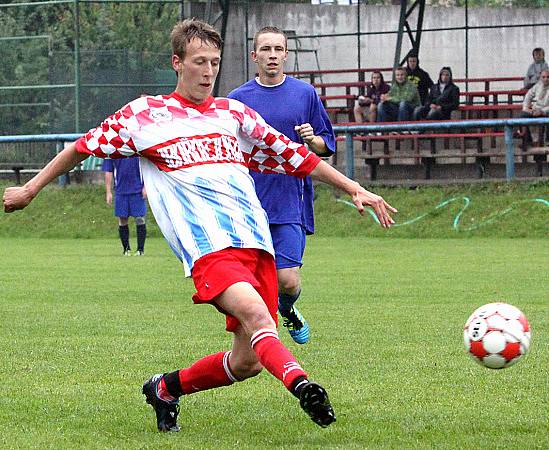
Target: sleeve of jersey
x: 321, y: 123
x: 111, y: 139
x: 269, y: 151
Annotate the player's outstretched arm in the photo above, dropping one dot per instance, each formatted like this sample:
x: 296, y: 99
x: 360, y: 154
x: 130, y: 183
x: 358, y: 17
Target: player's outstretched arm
x: 19, y: 197
x: 361, y: 197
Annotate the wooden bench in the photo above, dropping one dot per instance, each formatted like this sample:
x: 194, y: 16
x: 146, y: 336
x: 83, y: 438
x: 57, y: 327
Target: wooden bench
x: 429, y: 158
x: 313, y: 75
x: 468, y: 111
x: 487, y: 81
x: 89, y: 164
x: 18, y: 168
x: 470, y: 96
x: 488, y: 111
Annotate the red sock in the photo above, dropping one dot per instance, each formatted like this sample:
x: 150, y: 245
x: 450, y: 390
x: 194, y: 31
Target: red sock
x: 276, y: 358
x: 207, y: 373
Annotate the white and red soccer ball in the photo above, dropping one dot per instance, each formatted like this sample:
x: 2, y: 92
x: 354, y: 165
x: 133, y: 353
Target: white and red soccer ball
x: 497, y: 335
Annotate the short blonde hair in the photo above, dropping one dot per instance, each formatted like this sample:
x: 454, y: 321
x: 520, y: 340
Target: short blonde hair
x: 274, y: 30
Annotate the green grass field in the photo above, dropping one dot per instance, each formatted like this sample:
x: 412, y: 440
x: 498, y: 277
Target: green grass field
x: 386, y: 315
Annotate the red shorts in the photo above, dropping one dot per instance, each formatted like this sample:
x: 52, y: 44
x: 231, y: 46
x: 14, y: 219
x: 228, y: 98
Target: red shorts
x: 214, y: 273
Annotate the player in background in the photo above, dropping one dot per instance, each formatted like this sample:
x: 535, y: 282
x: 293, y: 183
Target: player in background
x: 129, y: 200
x: 195, y: 152
x: 292, y: 107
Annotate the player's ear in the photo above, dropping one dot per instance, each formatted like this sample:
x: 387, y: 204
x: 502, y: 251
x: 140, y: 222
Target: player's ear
x: 254, y: 55
x: 176, y: 62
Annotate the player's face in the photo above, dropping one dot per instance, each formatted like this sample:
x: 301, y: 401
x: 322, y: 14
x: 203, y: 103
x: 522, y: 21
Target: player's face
x: 197, y: 71
x: 270, y: 55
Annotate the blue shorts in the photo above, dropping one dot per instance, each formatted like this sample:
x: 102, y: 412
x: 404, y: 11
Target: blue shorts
x: 289, y: 245
x: 129, y: 205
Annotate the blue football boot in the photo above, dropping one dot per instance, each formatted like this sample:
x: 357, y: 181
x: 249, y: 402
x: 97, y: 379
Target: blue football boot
x: 296, y: 324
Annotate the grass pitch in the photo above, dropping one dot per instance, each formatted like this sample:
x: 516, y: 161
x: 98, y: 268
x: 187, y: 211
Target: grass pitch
x: 82, y: 327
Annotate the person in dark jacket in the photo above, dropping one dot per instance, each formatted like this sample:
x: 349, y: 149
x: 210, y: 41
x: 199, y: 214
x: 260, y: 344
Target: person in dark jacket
x: 369, y: 102
x: 418, y: 76
x: 443, y: 98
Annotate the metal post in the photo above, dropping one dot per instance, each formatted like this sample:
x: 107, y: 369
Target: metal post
x: 509, y: 153
x: 401, y: 21
x: 76, y: 66
x: 246, y: 45
x: 359, y: 61
x: 349, y: 156
x: 466, y: 44
x: 64, y: 179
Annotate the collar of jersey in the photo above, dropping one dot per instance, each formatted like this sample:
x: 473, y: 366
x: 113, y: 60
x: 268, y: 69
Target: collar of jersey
x: 270, y: 85
x: 188, y: 104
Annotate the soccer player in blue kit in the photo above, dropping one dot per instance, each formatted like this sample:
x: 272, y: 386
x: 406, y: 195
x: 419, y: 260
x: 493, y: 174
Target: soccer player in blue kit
x: 129, y: 199
x: 294, y: 108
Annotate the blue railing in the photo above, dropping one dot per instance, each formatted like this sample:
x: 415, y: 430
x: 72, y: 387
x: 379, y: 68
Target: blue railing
x: 507, y: 124
x: 350, y: 131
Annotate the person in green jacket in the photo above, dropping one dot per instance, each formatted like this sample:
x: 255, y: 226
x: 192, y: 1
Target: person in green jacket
x: 399, y: 103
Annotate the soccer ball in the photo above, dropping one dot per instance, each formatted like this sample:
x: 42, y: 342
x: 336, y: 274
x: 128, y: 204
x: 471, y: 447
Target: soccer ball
x: 497, y: 335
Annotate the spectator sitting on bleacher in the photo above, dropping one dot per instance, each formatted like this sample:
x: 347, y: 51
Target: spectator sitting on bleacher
x: 371, y: 99
x: 443, y: 98
x: 399, y: 103
x: 536, y: 102
x: 534, y: 70
x: 418, y: 76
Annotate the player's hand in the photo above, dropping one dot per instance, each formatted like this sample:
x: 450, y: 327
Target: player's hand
x: 144, y: 193
x: 108, y: 198
x: 16, y: 198
x: 306, y: 132
x: 381, y: 208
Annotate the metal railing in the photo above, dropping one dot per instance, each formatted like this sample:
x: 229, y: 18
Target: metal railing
x: 350, y: 131
x: 507, y: 124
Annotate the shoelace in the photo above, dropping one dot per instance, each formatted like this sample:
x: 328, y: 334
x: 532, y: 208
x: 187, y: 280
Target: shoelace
x: 292, y: 321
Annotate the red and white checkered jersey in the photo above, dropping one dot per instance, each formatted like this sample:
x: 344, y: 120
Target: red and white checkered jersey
x: 195, y: 168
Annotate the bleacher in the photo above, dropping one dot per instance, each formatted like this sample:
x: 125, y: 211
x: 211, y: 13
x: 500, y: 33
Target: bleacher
x: 481, y: 98
x: 22, y: 160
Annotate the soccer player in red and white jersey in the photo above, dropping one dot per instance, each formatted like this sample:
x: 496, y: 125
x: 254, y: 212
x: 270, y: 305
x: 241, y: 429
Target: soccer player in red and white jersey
x: 196, y: 151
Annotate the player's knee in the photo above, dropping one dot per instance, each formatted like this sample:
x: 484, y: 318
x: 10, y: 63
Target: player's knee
x: 256, y: 317
x: 290, y: 284
x: 140, y: 220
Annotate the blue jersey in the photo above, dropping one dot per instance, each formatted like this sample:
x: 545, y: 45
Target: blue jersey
x: 293, y: 102
x: 127, y: 175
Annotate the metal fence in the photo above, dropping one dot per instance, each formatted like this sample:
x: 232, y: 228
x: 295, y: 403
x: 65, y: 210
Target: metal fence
x: 49, y: 83
x: 347, y: 131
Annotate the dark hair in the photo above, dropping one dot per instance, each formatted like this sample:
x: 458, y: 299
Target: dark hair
x: 274, y: 30
x: 538, y: 49
x: 380, y: 75
x: 186, y: 30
